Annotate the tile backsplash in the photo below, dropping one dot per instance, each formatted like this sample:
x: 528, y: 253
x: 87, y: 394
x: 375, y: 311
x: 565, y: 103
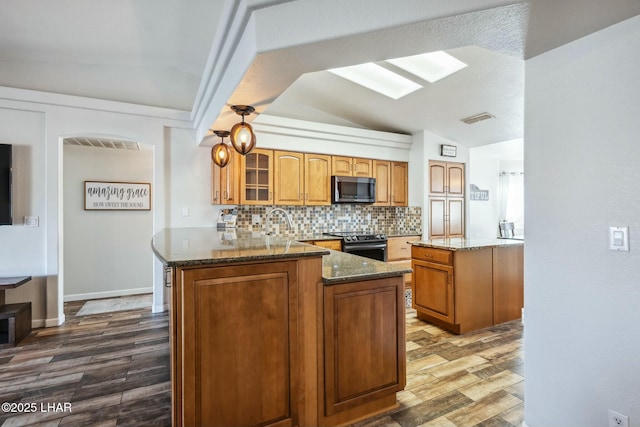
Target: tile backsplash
x: 310, y: 220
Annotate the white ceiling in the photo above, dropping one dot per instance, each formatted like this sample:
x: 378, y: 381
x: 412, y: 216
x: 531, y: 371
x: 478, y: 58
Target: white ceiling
x: 155, y: 52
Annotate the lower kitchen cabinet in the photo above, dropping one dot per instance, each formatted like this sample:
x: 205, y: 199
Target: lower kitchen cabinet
x: 465, y: 290
x: 399, y: 252
x: 364, y: 347
x: 238, y: 361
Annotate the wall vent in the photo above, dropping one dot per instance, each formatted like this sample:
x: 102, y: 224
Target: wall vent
x: 477, y: 118
x: 103, y: 143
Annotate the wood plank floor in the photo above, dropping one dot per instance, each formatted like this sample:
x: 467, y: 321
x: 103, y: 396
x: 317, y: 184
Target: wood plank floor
x: 113, y: 370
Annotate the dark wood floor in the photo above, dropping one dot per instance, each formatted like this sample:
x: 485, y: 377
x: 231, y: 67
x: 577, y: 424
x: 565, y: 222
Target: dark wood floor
x: 113, y: 369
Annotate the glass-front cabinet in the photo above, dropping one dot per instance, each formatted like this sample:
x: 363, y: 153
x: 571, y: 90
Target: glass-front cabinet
x: 257, y: 179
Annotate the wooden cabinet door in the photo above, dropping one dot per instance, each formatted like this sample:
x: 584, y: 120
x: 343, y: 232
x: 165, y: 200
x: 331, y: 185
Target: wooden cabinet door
x: 382, y: 174
x: 341, y: 166
x: 433, y: 290
x: 399, y: 184
x: 288, y: 178
x: 256, y: 178
x: 362, y: 362
x: 317, y: 179
x: 225, y: 188
x: 455, y: 217
x: 246, y: 344
x: 437, y: 217
x: 455, y: 179
x: 437, y: 178
x: 362, y: 167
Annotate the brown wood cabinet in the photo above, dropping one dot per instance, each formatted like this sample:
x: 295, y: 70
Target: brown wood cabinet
x: 225, y: 182
x: 392, y: 186
x: 288, y: 178
x: 351, y: 166
x: 467, y: 290
x: 399, y: 252
x: 446, y: 200
x: 317, y: 179
x: 363, y: 365
x: 335, y: 245
x: 269, y: 344
x: 256, y: 177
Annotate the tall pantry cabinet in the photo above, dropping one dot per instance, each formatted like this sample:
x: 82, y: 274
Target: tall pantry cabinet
x: 446, y: 199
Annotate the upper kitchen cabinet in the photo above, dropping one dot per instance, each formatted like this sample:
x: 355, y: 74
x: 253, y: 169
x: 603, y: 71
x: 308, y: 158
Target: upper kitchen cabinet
x: 391, y: 183
x: 317, y: 179
x: 256, y: 179
x: 351, y: 166
x: 225, y: 182
x: 446, y: 179
x: 289, y: 178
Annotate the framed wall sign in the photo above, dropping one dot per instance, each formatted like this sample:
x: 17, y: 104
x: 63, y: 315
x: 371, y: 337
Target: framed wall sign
x: 117, y: 196
x: 448, y: 150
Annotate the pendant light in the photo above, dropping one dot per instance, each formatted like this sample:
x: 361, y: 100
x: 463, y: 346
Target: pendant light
x: 242, y: 137
x: 220, y: 153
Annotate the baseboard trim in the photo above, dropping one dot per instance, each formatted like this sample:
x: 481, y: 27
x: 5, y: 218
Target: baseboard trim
x: 47, y: 323
x: 107, y: 294
x: 160, y: 308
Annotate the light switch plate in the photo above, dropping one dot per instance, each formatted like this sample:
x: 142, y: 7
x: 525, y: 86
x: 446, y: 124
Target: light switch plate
x: 31, y: 221
x: 619, y: 239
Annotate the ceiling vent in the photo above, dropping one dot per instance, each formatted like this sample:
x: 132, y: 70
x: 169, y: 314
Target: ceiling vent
x: 477, y: 118
x: 103, y: 143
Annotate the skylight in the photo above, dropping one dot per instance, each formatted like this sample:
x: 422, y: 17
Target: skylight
x: 431, y: 66
x: 378, y: 79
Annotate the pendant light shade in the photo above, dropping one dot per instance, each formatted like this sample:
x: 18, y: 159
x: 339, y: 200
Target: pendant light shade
x: 220, y: 153
x: 242, y: 137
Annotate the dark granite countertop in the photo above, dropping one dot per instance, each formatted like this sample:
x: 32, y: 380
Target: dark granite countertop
x: 340, y: 267
x: 179, y: 247
x: 460, y: 244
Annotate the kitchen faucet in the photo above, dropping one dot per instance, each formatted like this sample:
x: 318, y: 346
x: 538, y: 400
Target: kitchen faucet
x: 268, y: 221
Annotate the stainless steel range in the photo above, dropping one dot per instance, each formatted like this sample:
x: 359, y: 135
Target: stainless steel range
x: 363, y: 243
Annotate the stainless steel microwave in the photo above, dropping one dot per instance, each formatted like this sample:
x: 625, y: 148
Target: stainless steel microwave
x: 353, y: 189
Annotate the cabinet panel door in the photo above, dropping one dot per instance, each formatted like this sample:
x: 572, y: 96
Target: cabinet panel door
x: 288, y: 178
x: 230, y: 181
x: 317, y: 179
x: 455, y: 217
x: 437, y: 217
x: 382, y: 174
x: 437, y: 178
x: 256, y: 178
x: 216, y: 190
x: 362, y: 167
x: 364, y: 342
x: 455, y: 179
x: 399, y: 184
x: 253, y: 338
x: 341, y: 166
x: 433, y: 291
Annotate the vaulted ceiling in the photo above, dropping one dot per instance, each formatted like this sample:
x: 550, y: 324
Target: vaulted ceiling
x: 158, y: 53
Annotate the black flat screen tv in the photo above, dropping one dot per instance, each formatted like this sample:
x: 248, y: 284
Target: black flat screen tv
x: 5, y: 184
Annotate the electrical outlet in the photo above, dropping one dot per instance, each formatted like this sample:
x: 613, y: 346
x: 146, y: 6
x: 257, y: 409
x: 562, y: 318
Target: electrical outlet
x: 255, y: 219
x: 616, y: 419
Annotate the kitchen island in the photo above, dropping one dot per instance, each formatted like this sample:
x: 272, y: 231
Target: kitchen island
x: 464, y: 285
x: 271, y: 331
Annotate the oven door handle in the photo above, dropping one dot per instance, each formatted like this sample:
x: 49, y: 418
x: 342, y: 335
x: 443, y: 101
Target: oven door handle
x: 363, y: 246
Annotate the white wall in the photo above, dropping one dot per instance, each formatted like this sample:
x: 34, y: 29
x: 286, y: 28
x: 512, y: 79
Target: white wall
x: 106, y: 253
x: 485, y: 164
x: 582, y: 154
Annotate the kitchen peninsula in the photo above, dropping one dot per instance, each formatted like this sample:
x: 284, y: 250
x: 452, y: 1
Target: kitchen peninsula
x: 463, y: 285
x: 271, y: 331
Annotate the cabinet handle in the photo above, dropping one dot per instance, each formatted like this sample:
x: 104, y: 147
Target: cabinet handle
x: 167, y: 277
x: 226, y: 195
x: 217, y: 195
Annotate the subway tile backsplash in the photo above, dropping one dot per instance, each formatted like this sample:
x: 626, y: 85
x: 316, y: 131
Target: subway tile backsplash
x: 313, y: 220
